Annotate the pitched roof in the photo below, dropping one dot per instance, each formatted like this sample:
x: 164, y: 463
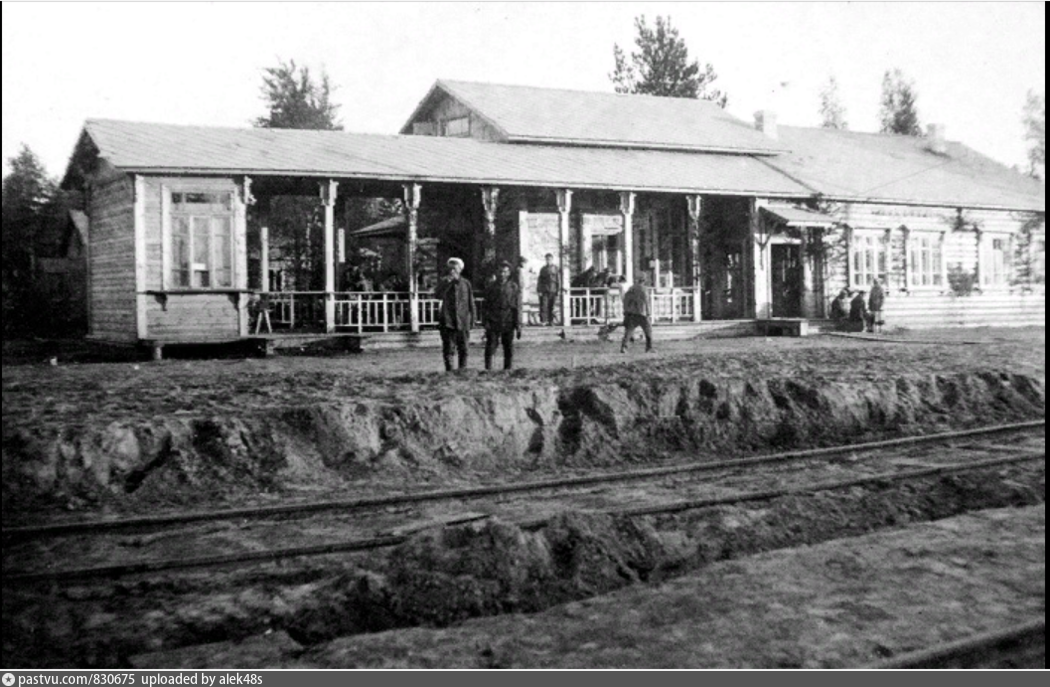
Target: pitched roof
x: 848, y: 165
x: 168, y: 148
x: 551, y: 115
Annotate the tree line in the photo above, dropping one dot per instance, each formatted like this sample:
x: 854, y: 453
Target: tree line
x: 295, y: 98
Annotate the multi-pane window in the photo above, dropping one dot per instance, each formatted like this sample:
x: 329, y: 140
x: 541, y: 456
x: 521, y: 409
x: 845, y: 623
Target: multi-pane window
x: 201, y: 240
x: 997, y: 261
x: 925, y: 260
x: 868, y: 259
x: 605, y: 252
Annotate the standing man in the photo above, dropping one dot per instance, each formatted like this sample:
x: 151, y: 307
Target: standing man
x: 501, y: 316
x: 456, y: 316
x: 636, y: 314
x: 548, y: 287
x: 876, y: 300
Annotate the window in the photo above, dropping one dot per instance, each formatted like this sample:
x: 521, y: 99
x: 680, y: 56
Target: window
x: 925, y: 260
x: 605, y: 252
x: 868, y: 259
x: 460, y: 126
x: 201, y: 240
x: 997, y: 262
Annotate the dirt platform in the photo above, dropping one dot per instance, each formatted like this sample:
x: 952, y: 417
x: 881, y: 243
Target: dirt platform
x: 139, y: 436
x: 843, y: 603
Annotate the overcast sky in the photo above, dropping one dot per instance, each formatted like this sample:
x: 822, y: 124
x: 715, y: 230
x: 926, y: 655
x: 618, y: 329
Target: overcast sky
x: 201, y: 63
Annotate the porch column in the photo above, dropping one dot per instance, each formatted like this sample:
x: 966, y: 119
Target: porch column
x: 412, y: 193
x: 264, y: 259
x: 979, y: 266
x: 245, y: 200
x: 694, y: 203
x: 763, y: 299
x: 329, y: 190
x: 627, y: 199
x: 564, y: 198
x: 807, y: 274
x: 490, y: 199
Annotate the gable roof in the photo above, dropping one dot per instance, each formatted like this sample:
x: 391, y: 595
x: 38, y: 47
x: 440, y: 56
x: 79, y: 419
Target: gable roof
x: 525, y: 114
x: 175, y: 149
x: 887, y: 168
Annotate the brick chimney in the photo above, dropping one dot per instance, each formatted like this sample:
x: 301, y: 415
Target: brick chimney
x: 935, y: 139
x: 766, y: 122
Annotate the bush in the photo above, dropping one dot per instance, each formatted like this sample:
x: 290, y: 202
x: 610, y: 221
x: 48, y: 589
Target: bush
x: 961, y: 281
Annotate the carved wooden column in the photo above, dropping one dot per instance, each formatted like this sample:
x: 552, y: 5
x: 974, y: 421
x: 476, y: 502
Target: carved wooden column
x: 762, y: 285
x: 490, y: 199
x: 329, y: 190
x: 412, y: 195
x: 694, y: 204
x: 564, y: 198
x: 245, y: 200
x: 627, y: 202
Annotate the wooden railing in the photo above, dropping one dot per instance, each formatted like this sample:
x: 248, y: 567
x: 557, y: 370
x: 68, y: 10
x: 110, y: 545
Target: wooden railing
x: 385, y: 311
x: 602, y: 306
x: 360, y: 311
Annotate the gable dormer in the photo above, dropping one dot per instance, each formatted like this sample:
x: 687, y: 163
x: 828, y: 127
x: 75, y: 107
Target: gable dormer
x: 442, y: 113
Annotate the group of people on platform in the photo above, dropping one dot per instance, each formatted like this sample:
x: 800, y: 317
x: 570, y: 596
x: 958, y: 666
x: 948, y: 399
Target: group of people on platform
x: 859, y: 310
x: 503, y: 310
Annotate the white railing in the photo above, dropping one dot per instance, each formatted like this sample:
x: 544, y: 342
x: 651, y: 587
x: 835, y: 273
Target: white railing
x: 673, y: 305
x: 296, y: 309
x: 361, y: 311
x: 602, y: 306
x: 385, y: 311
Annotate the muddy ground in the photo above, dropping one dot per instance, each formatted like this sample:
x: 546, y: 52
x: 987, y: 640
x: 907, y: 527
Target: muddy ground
x: 88, y: 438
x: 137, y: 436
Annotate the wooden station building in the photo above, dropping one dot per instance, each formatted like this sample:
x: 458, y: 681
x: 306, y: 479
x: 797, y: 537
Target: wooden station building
x: 734, y: 223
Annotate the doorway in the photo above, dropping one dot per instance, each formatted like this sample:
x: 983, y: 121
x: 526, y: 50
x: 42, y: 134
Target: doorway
x: 786, y: 280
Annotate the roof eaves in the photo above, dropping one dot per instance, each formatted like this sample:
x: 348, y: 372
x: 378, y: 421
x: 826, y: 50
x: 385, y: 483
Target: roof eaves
x: 407, y: 128
x: 405, y: 178
x: 929, y: 203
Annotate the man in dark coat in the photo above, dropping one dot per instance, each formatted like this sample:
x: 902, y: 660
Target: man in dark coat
x: 548, y: 286
x: 840, y: 306
x: 875, y: 302
x: 636, y: 314
x: 858, y: 312
x: 501, y: 317
x: 456, y: 316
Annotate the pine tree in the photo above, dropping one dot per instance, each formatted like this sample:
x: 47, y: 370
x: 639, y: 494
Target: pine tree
x: 661, y: 66
x: 899, y: 113
x: 832, y: 111
x: 27, y: 195
x: 296, y: 101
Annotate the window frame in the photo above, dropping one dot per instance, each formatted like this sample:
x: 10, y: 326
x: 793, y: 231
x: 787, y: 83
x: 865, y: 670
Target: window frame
x: 875, y: 239
x: 992, y: 279
x: 936, y: 270
x: 171, y: 272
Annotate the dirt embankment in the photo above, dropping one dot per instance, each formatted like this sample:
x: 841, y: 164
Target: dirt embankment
x: 486, y: 427
x: 446, y: 575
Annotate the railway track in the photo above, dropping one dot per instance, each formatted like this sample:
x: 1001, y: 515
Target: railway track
x: 715, y: 488
x: 306, y: 509
x: 1019, y: 646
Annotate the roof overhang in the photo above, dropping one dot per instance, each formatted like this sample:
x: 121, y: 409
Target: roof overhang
x: 794, y: 216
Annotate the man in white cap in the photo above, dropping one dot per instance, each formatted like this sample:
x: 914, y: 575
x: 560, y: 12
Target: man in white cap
x: 456, y: 316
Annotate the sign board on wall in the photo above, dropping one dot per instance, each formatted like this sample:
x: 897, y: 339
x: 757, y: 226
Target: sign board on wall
x: 539, y: 236
x: 602, y: 225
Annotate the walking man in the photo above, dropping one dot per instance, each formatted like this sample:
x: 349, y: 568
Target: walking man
x: 501, y: 317
x: 636, y: 314
x: 548, y: 286
x: 456, y: 315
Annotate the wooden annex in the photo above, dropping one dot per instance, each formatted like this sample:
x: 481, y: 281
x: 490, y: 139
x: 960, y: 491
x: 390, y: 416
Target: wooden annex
x: 732, y: 223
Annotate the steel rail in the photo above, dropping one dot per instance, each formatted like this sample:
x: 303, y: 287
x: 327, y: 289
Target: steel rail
x: 308, y: 508
x: 970, y: 649
x: 112, y: 571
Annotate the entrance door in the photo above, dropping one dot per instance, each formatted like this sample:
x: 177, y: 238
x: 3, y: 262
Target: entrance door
x: 786, y: 263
